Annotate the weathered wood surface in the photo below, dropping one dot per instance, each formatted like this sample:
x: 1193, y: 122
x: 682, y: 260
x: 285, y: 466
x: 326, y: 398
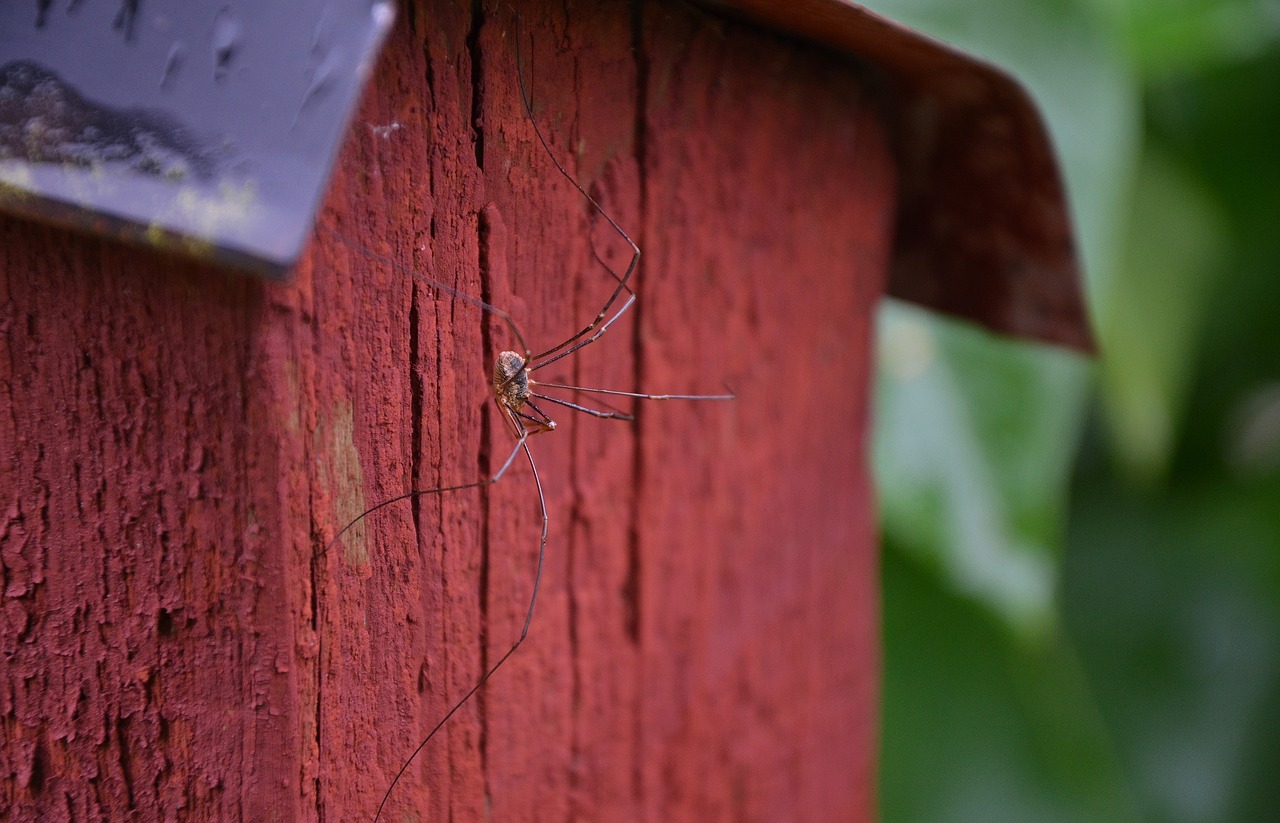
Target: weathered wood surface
x: 177, y: 445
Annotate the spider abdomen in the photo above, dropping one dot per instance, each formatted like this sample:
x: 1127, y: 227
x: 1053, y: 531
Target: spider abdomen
x: 510, y: 381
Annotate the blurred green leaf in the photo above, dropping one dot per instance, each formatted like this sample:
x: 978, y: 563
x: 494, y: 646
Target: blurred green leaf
x: 981, y: 728
x: 975, y: 437
x: 1175, y: 603
x: 1166, y: 37
x: 1152, y: 690
x: 1152, y: 314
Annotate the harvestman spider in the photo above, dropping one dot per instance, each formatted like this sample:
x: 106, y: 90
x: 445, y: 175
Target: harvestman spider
x: 514, y: 391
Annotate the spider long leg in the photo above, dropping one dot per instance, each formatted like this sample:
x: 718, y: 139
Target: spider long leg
x: 543, y: 422
x: 593, y: 338
x: 608, y: 415
x: 529, y: 404
x: 605, y: 265
x: 433, y: 284
x: 506, y: 464
x: 641, y: 395
x: 635, y: 250
x: 524, y: 630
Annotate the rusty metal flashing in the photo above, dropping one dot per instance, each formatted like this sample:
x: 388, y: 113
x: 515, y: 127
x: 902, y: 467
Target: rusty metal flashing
x: 983, y: 229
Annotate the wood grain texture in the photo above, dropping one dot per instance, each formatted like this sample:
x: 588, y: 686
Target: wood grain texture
x: 767, y: 221
x: 150, y: 538
x: 178, y: 445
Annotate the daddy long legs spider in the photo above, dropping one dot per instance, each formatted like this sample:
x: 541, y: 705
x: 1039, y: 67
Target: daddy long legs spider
x: 518, y: 397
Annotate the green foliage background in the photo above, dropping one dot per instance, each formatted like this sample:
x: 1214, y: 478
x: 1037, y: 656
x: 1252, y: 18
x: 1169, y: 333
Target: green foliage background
x: 1082, y: 559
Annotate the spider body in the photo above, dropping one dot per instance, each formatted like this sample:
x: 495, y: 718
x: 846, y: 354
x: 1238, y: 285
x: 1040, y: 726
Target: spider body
x: 512, y: 389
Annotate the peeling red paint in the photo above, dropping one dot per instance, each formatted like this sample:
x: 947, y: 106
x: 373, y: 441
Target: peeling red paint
x: 180, y: 444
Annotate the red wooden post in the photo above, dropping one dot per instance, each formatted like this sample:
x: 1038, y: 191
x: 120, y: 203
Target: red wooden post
x: 177, y: 446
